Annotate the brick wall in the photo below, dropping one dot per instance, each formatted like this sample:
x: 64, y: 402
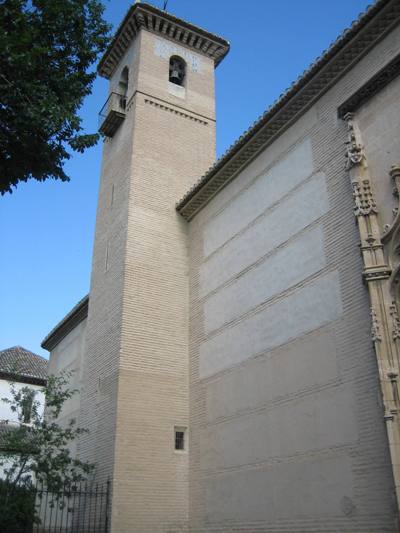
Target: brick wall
x: 286, y: 420
x: 136, y: 376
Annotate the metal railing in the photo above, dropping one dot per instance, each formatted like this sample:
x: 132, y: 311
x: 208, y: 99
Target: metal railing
x: 75, y: 508
x: 115, y: 103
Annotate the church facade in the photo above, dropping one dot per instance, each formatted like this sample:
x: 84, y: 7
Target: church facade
x: 238, y: 354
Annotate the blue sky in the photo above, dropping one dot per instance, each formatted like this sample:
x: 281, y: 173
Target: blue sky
x: 46, y: 229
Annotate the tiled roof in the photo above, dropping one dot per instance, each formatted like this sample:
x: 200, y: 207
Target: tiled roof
x: 351, y: 45
x: 17, y: 361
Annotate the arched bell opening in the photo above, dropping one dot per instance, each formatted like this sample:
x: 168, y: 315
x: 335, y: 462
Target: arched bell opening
x: 177, y: 70
x: 123, y: 82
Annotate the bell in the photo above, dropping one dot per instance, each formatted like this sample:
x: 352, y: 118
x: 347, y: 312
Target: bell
x: 175, y: 76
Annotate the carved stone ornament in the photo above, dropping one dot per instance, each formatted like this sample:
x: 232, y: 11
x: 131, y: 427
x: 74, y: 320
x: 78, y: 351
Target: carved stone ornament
x: 375, y: 275
x: 375, y: 332
x: 354, y: 150
x: 395, y: 212
x: 395, y: 321
x: 395, y: 175
x: 391, y: 236
x: 363, y: 198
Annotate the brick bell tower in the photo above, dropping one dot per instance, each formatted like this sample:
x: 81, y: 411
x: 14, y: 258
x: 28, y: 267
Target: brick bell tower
x: 159, y: 127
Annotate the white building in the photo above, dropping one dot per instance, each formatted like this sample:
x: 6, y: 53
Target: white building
x: 24, y: 369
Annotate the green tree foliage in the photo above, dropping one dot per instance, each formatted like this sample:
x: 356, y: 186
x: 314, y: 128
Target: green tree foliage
x: 46, y: 50
x: 37, y: 452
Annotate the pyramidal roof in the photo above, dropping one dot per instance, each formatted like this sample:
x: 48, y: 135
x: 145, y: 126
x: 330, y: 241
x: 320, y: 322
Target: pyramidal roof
x: 23, y: 365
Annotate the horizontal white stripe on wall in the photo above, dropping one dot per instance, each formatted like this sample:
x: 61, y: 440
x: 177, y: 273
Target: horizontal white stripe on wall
x: 288, y: 218
x: 307, y: 362
x: 288, y: 266
x: 304, y: 310
x: 287, y: 429
x: 317, y: 484
x: 263, y: 193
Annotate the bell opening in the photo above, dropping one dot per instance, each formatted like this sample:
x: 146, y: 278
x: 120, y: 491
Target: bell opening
x: 177, y: 70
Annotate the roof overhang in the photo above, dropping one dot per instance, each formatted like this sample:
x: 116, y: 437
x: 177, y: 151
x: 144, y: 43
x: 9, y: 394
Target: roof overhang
x: 349, y: 48
x: 67, y: 324
x: 22, y: 378
x: 148, y: 17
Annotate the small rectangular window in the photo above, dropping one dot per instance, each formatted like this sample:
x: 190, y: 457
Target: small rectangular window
x: 112, y: 195
x: 180, y: 439
x: 106, y: 258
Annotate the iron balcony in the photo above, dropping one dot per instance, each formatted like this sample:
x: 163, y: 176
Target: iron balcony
x: 112, y: 114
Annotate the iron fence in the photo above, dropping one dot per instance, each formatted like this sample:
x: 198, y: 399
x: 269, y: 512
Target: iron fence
x: 75, y: 508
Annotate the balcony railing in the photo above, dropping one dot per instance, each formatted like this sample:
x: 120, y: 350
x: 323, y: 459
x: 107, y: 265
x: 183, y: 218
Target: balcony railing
x: 112, y: 114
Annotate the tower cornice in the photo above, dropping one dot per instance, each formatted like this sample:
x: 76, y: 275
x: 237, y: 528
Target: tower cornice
x: 145, y: 16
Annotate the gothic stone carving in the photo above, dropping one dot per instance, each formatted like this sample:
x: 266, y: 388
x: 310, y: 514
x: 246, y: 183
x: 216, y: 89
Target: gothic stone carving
x: 391, y: 236
x: 375, y: 330
x: 377, y: 250
x: 354, y: 150
x: 363, y: 197
x: 395, y: 321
